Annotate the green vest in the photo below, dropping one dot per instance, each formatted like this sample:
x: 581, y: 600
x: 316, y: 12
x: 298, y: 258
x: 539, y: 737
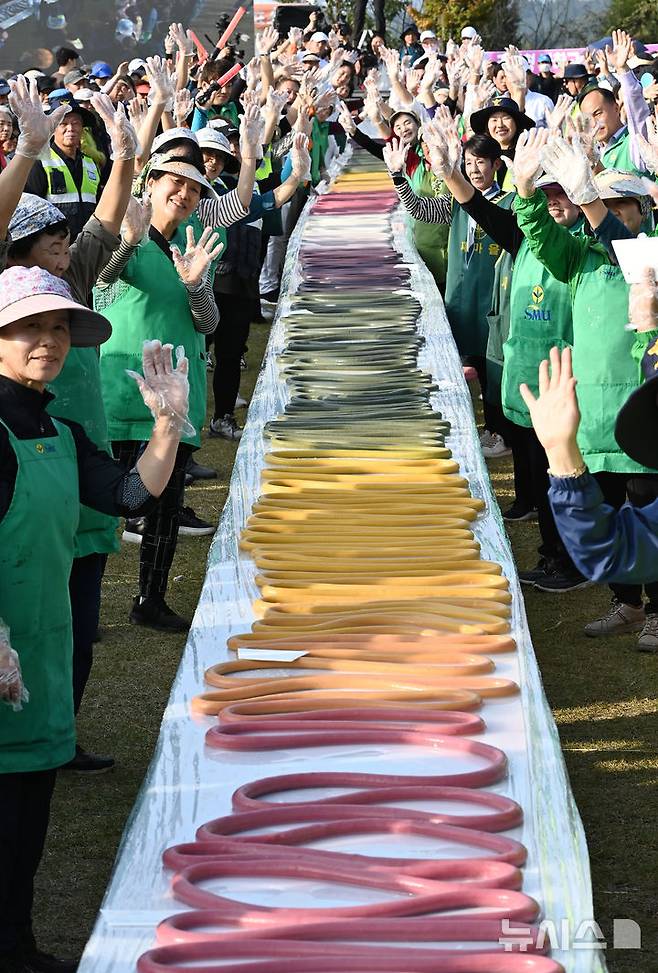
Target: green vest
x: 469, y: 281
x: 36, y: 553
x: 617, y: 155
x: 602, y: 359
x: 431, y: 239
x: 66, y: 195
x: 149, y: 301
x: 78, y: 396
x: 229, y: 112
x: 540, y: 317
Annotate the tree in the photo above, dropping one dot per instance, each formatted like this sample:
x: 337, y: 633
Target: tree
x: 638, y: 17
x: 447, y: 17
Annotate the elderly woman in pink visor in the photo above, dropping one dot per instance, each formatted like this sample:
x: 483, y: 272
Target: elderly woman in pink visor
x: 48, y: 468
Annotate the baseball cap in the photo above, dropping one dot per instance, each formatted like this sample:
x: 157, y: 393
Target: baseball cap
x: 63, y: 97
x: 32, y: 215
x: 319, y: 35
x: 545, y: 59
x: 77, y: 74
x: 31, y: 290
x: 137, y: 64
x: 427, y: 35
x: 469, y: 33
x: 212, y: 138
x: 4, y: 87
x: 85, y: 94
x: 101, y: 69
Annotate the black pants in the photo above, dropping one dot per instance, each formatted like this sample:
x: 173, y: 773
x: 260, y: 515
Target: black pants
x: 24, y: 813
x: 492, y: 413
x: 161, y: 524
x: 230, y: 342
x: 531, y: 487
x: 360, y: 18
x: 641, y: 489
x: 85, y: 593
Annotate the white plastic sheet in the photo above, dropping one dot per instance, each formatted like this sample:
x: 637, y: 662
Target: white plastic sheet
x: 188, y: 784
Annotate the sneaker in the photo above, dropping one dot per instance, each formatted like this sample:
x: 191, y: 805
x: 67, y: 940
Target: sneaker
x: 88, y: 763
x: 493, y: 447
x: 243, y: 363
x: 240, y: 403
x: 267, y: 310
x: 157, y: 615
x: 133, y: 532
x: 191, y: 524
x: 198, y: 472
x: 536, y: 574
x: 648, y: 640
x: 558, y: 579
x: 226, y: 427
x: 209, y: 362
x: 516, y: 513
x: 618, y: 618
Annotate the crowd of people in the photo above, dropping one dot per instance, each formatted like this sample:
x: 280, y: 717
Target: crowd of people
x: 145, y: 206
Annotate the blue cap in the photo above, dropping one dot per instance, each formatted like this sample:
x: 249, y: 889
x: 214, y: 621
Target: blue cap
x: 545, y: 59
x: 61, y: 94
x: 4, y: 87
x: 101, y: 69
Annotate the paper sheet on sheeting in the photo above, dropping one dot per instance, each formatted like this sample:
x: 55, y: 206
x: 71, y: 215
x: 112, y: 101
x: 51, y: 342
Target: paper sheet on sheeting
x: 187, y: 784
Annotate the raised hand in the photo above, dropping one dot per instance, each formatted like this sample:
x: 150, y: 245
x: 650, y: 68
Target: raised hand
x: 372, y: 107
x: 452, y: 49
x: 515, y: 70
x: 395, y: 155
x: 162, y: 89
x: 296, y: 36
x: 528, y: 161
x: 36, y: 128
x: 482, y: 94
x: 267, y: 40
x: 123, y: 137
x: 169, y: 45
x: 251, y: 130
x: 392, y: 61
x: 165, y: 389
x: 137, y: 220
x: 300, y: 157
x: 584, y: 129
x: 556, y: 117
x: 474, y: 57
x: 137, y: 112
x: 334, y: 40
x: 345, y: 119
x: 649, y: 146
x: 555, y: 414
x: 193, y: 265
x: 275, y: 103
x: 303, y: 122
x: 568, y: 164
x: 183, y: 104
x: 622, y: 51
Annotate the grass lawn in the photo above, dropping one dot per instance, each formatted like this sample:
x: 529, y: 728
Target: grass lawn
x: 602, y: 692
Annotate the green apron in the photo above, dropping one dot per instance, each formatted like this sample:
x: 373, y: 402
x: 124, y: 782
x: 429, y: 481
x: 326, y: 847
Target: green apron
x: 431, y: 239
x: 319, y: 146
x: 540, y: 317
x: 498, y: 323
x: 469, y: 282
x: 78, y: 392
x: 36, y: 553
x: 149, y: 301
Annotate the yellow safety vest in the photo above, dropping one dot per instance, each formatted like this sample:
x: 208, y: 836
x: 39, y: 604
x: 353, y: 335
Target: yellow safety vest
x: 62, y: 190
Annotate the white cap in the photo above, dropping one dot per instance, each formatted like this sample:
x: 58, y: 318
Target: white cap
x: 468, y: 33
x: 84, y: 94
x: 136, y: 63
x: 319, y: 35
x: 308, y: 57
x: 34, y: 74
x: 427, y: 35
x: 170, y: 135
x: 6, y: 110
x: 211, y: 138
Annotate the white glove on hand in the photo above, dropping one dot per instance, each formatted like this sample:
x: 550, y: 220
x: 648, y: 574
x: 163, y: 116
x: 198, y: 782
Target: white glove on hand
x: 123, y: 137
x: 183, y: 104
x: 136, y: 221
x: 251, y: 131
x: 395, y: 155
x: 182, y: 39
x: 165, y: 389
x: 643, y: 302
x: 345, y: 120
x: 162, y: 88
x: 36, y: 127
x: 300, y: 157
x: 12, y: 690
x: 193, y: 265
x: 568, y: 164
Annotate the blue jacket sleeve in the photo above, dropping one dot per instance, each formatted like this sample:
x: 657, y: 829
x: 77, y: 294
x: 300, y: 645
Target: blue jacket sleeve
x: 605, y: 544
x: 199, y: 119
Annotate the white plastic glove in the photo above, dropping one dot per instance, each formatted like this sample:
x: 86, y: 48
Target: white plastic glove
x: 137, y: 112
x: 395, y: 155
x: 296, y: 36
x: 183, y: 104
x: 162, y: 89
x: 643, y: 302
x: 165, y: 389
x: 123, y: 137
x: 584, y: 128
x: 528, y: 159
x: 481, y: 94
x: 568, y: 164
x: 474, y: 57
x: 136, y: 221
x: 251, y: 130
x: 36, y: 128
x: 12, y: 689
x: 444, y: 150
x: 557, y: 115
x: 182, y: 39
x: 345, y: 120
x: 334, y: 40
x: 274, y: 103
x: 515, y: 69
x: 267, y: 40
x: 452, y: 49
x: 192, y: 266
x: 300, y: 157
x: 304, y: 121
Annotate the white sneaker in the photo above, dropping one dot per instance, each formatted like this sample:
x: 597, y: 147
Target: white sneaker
x: 267, y: 309
x: 618, y: 618
x: 240, y: 402
x: 493, y: 445
x: 648, y: 640
x: 226, y: 428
